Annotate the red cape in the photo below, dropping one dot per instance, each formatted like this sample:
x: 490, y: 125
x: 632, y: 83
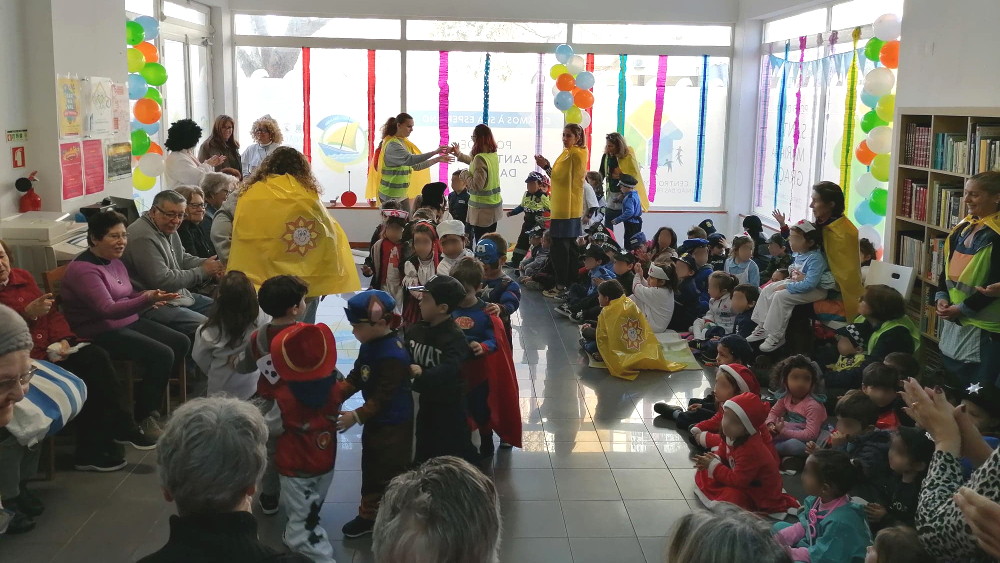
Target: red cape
x: 505, y: 410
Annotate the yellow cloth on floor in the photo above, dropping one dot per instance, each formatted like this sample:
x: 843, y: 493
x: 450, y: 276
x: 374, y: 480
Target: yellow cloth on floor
x: 626, y: 342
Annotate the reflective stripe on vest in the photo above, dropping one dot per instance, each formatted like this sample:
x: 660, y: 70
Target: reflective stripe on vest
x: 903, y: 321
x: 489, y: 196
x: 974, y: 275
x: 395, y: 179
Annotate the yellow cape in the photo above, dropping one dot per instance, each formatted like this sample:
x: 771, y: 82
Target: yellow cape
x: 418, y: 178
x: 840, y: 244
x: 629, y: 165
x: 280, y: 227
x: 626, y: 342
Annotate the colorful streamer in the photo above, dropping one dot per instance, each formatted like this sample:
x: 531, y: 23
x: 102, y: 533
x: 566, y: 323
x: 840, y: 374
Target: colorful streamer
x: 780, y: 129
x: 486, y: 90
x: 371, y: 104
x: 654, y: 160
x: 850, y: 113
x: 798, y: 102
x: 539, y: 103
x: 703, y: 108
x: 443, y: 110
x: 306, y: 102
x: 588, y: 132
x: 622, y: 64
x: 758, y: 199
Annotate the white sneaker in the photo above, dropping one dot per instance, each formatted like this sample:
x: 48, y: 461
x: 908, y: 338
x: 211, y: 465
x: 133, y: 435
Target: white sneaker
x: 771, y: 344
x: 757, y: 335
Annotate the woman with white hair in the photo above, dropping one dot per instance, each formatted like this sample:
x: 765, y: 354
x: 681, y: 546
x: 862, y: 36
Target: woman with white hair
x: 211, y: 456
x: 267, y: 136
x: 216, y: 186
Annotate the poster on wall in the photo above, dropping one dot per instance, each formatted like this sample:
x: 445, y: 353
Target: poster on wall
x: 93, y: 166
x: 119, y: 161
x: 99, y: 119
x: 71, y: 164
x: 68, y: 103
x: 119, y: 107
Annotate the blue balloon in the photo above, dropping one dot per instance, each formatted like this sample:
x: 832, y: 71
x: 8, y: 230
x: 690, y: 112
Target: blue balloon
x: 585, y: 80
x: 864, y: 215
x: 564, y: 101
x: 869, y: 100
x: 151, y: 129
x: 149, y: 25
x: 136, y: 86
x: 564, y: 53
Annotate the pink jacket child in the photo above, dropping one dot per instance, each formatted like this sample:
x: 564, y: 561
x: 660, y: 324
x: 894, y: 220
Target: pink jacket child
x: 797, y: 418
x: 739, y: 379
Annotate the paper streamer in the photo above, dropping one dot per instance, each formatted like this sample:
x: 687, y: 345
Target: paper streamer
x: 588, y: 133
x: 622, y: 92
x: 539, y: 103
x: 443, y: 110
x: 798, y: 102
x: 703, y: 108
x: 765, y: 101
x: 780, y: 129
x: 306, y: 102
x: 850, y: 113
x: 654, y: 160
x: 371, y: 104
x: 486, y: 90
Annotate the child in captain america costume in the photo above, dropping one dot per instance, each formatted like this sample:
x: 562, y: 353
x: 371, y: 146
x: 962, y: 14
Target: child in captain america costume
x: 499, y: 289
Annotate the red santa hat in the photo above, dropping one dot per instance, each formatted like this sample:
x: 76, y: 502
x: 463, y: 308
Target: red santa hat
x: 751, y: 410
x: 746, y: 381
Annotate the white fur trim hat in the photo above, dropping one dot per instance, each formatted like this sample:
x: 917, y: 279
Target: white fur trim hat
x: 751, y: 411
x: 745, y: 379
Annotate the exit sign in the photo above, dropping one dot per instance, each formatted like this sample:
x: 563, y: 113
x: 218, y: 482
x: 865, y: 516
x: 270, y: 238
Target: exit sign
x: 17, y: 157
x: 17, y: 135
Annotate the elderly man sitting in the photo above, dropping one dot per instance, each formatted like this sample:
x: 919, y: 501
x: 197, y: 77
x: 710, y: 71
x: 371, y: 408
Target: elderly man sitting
x: 156, y: 259
x: 211, y: 456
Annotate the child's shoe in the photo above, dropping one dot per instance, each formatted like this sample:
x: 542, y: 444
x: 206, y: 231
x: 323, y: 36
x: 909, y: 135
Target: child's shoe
x: 757, y: 335
x: 268, y: 504
x: 772, y: 343
x: 358, y: 527
x: 666, y: 409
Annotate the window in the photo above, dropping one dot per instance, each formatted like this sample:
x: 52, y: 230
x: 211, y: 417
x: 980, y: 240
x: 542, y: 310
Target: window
x: 175, y: 90
x: 140, y: 7
x: 343, y: 28
x: 643, y: 34
x: 269, y: 80
x: 862, y: 12
x: 189, y: 12
x: 494, y: 32
x: 808, y: 23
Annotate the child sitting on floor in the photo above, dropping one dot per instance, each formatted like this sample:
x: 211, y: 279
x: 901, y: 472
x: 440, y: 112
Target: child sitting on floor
x: 798, y: 416
x: 730, y: 380
x: 868, y: 253
x: 655, y: 295
x: 733, y: 349
x: 745, y: 298
x: 881, y: 383
x: 607, y: 292
x: 698, y: 249
x: 909, y: 457
x: 623, y: 265
x: 687, y: 299
x: 595, y: 261
x: 537, y: 269
x: 754, y: 228
x: 740, y: 262
x: 780, y: 257
x: 451, y: 237
x: 898, y: 544
x: 720, y: 319
x: 851, y: 342
x: 831, y: 528
x: 717, y: 251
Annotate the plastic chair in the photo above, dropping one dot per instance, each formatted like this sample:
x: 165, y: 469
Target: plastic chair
x: 897, y: 277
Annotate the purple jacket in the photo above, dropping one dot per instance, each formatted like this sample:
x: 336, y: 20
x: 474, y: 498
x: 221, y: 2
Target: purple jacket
x: 97, y: 296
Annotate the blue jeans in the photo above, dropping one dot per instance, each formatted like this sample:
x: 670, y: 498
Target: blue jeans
x: 790, y: 447
x: 184, y: 320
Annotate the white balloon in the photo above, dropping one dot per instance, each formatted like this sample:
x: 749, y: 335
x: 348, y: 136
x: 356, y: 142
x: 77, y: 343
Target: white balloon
x: 585, y: 120
x: 871, y: 234
x: 879, y: 81
x: 151, y: 164
x: 867, y: 184
x: 555, y: 90
x: 880, y: 140
x: 576, y: 65
x: 887, y: 27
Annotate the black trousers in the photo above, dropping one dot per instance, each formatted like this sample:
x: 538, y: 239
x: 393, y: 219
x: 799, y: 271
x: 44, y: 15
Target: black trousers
x: 631, y: 229
x: 480, y: 231
x: 563, y: 256
x: 442, y: 430
x: 523, y: 244
x: 104, y: 415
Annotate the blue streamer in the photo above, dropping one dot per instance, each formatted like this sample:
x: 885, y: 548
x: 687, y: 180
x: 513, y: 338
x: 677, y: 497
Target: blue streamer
x: 701, y: 129
x: 782, y: 106
x: 486, y: 91
x: 622, y: 92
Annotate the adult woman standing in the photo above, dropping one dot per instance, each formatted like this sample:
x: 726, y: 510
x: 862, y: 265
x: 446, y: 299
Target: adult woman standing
x: 482, y: 180
x: 398, y: 164
x: 267, y: 136
x: 618, y: 159
x: 183, y: 168
x: 567, y: 175
x: 196, y: 242
x: 223, y: 142
x: 970, y: 342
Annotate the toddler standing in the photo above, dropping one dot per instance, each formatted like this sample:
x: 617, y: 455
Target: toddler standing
x: 631, y: 213
x: 451, y: 237
x: 535, y: 205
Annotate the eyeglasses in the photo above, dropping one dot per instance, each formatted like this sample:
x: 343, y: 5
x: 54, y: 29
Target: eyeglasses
x: 170, y: 216
x: 196, y: 205
x: 8, y: 384
x: 259, y: 131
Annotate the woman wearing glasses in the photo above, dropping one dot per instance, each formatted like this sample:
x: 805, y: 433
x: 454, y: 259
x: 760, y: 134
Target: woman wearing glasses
x: 182, y: 166
x: 194, y: 239
x: 222, y: 142
x: 267, y: 137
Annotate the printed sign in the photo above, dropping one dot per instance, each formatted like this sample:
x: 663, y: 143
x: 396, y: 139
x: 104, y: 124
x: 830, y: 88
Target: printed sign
x: 93, y: 165
x: 68, y: 102
x: 71, y: 164
x: 119, y: 161
x: 17, y: 157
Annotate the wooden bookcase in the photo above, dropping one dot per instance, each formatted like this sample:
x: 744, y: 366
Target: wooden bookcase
x: 921, y: 187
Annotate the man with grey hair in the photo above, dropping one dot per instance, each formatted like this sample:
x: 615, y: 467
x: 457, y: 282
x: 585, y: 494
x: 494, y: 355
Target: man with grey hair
x: 211, y: 456
x: 445, y: 511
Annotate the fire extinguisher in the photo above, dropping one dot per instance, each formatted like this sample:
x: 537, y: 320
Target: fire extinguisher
x: 30, y: 201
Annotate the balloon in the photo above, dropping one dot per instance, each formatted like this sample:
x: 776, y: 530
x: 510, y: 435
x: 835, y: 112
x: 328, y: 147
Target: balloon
x: 141, y: 181
x: 576, y: 65
x: 136, y: 60
x: 565, y: 82
x: 155, y: 148
x: 564, y: 53
x: 869, y: 100
x: 349, y: 199
x: 154, y: 94
x: 880, y: 167
x: 585, y: 80
x: 870, y: 234
x: 149, y: 51
x: 155, y: 74
x: 878, y: 201
x: 563, y: 101
x: 150, y: 27
x: 584, y: 99
x: 866, y: 184
x: 880, y: 140
x: 149, y: 128
x: 134, y: 33
x: 136, y: 86
x: 889, y: 55
x: 864, y: 154
x: 886, y: 107
x: 147, y: 111
x: 887, y: 27
x: 870, y: 121
x: 864, y: 215
x: 558, y: 70
x: 872, y: 49
x: 555, y: 90
x: 152, y: 164
x: 140, y: 142
x: 584, y: 120
x: 878, y: 81
x: 574, y: 115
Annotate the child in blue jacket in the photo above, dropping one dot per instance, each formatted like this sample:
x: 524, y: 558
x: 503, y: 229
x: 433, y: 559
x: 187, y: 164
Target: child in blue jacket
x: 631, y: 215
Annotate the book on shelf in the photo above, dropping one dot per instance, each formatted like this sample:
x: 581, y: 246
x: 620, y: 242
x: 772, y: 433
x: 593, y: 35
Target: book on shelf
x: 952, y: 152
x: 945, y: 210
x: 914, y: 201
x: 911, y: 250
x: 917, y: 145
x: 935, y: 264
x: 930, y: 323
x: 985, y: 148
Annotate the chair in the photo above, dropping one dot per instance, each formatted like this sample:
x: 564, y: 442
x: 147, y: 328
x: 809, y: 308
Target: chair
x: 52, y: 280
x: 899, y: 278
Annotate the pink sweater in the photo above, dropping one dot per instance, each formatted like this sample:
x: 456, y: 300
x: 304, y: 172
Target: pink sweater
x: 97, y: 296
x: 802, y: 420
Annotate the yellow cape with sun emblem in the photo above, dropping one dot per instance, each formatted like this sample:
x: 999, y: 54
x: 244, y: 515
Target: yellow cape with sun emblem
x: 280, y: 227
x: 626, y: 342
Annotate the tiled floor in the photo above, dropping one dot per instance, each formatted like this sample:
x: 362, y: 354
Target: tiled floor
x: 598, y: 479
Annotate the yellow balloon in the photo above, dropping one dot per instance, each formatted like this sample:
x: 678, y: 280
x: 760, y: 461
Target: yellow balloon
x: 558, y: 70
x: 141, y: 181
x: 136, y: 60
x: 880, y: 167
x: 885, y: 107
x: 574, y: 115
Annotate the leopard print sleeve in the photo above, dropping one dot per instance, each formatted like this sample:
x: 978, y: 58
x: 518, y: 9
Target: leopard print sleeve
x: 940, y: 524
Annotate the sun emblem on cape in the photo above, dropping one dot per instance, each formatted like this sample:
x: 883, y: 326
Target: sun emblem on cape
x: 633, y: 334
x: 300, y: 235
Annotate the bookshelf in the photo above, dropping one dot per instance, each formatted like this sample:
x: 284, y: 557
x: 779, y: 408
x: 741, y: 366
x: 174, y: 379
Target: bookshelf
x: 937, y: 150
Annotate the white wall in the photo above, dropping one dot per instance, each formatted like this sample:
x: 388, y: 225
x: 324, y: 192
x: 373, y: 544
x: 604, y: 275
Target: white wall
x: 13, y: 99
x: 766, y: 9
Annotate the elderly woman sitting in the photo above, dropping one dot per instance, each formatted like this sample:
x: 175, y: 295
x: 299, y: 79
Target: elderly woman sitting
x: 211, y: 456
x: 217, y: 187
x: 196, y: 242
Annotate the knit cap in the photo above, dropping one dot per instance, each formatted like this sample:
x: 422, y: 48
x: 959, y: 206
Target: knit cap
x: 14, y: 334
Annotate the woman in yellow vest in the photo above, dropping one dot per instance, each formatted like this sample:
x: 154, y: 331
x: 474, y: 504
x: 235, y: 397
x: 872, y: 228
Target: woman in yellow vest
x: 399, y: 170
x: 567, y: 174
x: 840, y: 243
x: 970, y: 343
x: 482, y: 180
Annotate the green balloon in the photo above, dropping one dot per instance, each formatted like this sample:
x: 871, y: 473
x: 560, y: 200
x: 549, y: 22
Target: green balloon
x: 873, y: 48
x: 154, y: 73
x: 140, y: 142
x: 134, y: 34
x: 878, y: 200
x: 154, y: 94
x: 870, y: 121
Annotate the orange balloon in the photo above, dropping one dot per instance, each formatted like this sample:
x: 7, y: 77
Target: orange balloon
x: 584, y: 99
x: 149, y: 50
x: 864, y: 154
x: 889, y: 55
x: 565, y: 82
x: 574, y: 91
x: 147, y: 111
x: 155, y: 148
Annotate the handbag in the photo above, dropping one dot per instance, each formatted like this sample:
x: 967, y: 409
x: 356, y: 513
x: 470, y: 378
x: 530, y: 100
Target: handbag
x: 54, y: 397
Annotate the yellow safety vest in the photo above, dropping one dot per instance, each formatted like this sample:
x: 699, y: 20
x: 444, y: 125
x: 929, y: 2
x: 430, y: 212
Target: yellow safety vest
x: 974, y: 275
x: 489, y: 196
x: 395, y: 179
